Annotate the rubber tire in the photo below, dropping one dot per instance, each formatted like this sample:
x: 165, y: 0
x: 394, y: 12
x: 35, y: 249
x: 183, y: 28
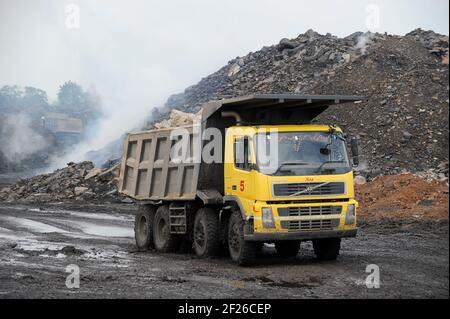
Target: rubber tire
x: 245, y: 255
x: 287, y: 248
x: 164, y: 241
x: 143, y: 227
x: 207, y: 219
x: 327, y: 248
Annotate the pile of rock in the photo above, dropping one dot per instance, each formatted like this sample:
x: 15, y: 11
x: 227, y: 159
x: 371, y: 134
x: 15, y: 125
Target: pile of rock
x: 436, y: 174
x: 179, y: 119
x: 404, y: 196
x: 78, y: 182
x: 403, y: 123
x: 436, y: 44
x: 291, y: 66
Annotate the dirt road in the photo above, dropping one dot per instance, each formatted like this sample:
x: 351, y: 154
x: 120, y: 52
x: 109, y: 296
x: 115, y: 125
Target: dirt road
x: 37, y: 244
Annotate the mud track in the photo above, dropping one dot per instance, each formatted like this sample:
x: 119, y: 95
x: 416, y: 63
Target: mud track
x: 37, y: 243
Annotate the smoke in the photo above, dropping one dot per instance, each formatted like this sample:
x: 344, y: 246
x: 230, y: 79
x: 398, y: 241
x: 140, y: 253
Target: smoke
x: 363, y: 165
x: 102, y: 141
x: 19, y: 140
x: 364, y: 41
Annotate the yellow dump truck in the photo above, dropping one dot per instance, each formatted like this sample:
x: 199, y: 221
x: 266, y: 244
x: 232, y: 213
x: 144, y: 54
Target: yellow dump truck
x: 254, y: 170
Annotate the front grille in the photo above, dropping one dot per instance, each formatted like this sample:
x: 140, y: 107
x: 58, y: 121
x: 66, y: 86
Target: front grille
x: 309, y: 211
x: 308, y: 189
x: 308, y: 225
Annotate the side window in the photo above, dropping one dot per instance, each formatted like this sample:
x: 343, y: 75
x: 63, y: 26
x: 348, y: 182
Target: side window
x: 242, y: 153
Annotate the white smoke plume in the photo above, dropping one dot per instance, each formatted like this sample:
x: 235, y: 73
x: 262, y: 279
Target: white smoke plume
x: 18, y: 140
x: 364, y: 41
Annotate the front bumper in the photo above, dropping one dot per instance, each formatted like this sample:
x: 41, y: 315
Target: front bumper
x: 300, y: 235
x: 302, y: 221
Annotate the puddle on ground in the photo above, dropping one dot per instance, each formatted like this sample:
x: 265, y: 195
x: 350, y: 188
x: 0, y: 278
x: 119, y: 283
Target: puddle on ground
x: 107, y: 255
x: 34, y: 245
x: 308, y: 282
x: 85, y: 227
x: 104, y: 231
x: 11, y: 235
x: 58, y: 256
x: 100, y: 216
x: 32, y: 225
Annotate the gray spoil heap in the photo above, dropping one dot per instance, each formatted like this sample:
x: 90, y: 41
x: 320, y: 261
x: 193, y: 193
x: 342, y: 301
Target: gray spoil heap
x: 76, y: 182
x: 403, y: 123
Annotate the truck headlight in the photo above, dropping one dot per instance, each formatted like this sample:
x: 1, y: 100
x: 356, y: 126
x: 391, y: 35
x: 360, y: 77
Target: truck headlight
x: 267, y: 218
x: 350, y: 216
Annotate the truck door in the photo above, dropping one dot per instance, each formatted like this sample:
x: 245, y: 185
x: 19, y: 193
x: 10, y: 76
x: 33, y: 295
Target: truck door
x: 240, y: 178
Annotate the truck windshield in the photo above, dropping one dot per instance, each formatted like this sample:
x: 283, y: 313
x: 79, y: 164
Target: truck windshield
x: 301, y: 153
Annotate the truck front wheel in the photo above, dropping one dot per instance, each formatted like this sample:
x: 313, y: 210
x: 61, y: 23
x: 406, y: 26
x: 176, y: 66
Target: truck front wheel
x: 143, y: 227
x: 206, y: 232
x: 165, y: 242
x: 327, y: 248
x: 287, y: 248
x: 241, y: 251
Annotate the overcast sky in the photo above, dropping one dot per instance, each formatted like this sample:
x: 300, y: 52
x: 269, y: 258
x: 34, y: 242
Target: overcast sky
x: 137, y: 52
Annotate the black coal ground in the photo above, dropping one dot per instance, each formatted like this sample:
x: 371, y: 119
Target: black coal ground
x: 38, y: 243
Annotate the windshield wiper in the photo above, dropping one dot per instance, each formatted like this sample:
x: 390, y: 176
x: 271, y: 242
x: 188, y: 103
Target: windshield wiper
x: 289, y: 163
x: 319, y: 169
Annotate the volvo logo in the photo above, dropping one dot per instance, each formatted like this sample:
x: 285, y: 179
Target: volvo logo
x: 309, y: 189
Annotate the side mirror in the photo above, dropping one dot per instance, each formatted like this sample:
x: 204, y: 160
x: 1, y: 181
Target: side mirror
x: 355, y: 151
x: 325, y: 151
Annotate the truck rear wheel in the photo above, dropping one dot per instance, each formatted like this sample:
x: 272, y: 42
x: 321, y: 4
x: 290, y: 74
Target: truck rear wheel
x: 164, y: 241
x: 206, y: 232
x: 287, y: 248
x: 327, y: 248
x: 241, y: 251
x: 143, y: 227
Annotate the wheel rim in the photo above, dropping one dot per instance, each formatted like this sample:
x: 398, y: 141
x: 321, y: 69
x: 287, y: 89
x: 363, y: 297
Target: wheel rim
x: 143, y: 229
x: 161, y: 231
x: 234, y: 239
x: 200, y: 236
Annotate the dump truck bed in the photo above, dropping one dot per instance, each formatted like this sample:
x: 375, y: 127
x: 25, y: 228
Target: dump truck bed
x: 147, y: 173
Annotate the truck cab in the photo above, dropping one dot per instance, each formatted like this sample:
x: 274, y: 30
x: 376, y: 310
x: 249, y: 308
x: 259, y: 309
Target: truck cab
x: 294, y: 182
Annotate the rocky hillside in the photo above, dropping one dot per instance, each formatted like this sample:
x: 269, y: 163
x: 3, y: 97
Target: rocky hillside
x: 402, y: 124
